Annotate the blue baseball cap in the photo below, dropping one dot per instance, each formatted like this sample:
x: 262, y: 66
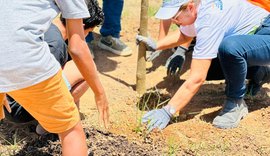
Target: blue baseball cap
x: 169, y: 8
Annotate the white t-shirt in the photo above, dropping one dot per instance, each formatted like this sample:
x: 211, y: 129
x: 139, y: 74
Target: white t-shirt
x: 25, y: 58
x: 217, y: 19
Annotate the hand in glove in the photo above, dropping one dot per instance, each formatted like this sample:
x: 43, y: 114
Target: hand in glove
x: 150, y: 56
x: 158, y: 118
x: 149, y: 43
x: 175, y: 62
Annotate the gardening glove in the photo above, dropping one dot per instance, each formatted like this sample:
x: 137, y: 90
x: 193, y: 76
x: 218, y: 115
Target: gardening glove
x: 175, y: 62
x: 149, y: 43
x: 158, y: 118
x: 150, y: 56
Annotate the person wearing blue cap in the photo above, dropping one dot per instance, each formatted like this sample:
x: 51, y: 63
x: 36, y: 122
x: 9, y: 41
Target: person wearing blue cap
x: 235, y: 32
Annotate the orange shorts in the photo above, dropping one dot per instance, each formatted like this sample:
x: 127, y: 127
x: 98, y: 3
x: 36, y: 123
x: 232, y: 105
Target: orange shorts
x: 2, y: 114
x: 262, y: 3
x: 49, y: 102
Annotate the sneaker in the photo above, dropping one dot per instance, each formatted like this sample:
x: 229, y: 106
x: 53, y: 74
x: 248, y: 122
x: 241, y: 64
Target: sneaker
x: 40, y: 130
x: 114, y: 45
x: 91, y: 47
x: 262, y: 76
x: 231, y: 114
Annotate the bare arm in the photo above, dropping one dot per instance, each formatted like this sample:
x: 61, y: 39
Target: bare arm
x: 164, y: 28
x: 198, y: 73
x: 80, y: 54
x: 159, y: 118
x: 173, y: 40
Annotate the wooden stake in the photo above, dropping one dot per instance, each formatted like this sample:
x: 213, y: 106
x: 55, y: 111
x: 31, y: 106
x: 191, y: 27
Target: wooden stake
x: 141, y: 64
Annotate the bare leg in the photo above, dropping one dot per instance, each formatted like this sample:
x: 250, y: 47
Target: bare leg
x: 72, y: 73
x: 79, y: 86
x: 73, y: 141
x: 78, y: 90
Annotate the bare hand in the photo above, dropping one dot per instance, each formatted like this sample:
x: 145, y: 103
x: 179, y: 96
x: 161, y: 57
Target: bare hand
x: 103, y: 109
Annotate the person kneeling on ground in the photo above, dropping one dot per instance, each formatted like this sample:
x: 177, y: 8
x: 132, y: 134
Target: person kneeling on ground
x: 175, y: 62
x: 227, y: 30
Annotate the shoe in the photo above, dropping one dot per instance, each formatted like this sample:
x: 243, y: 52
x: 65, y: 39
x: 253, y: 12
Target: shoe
x: 231, y: 114
x: 40, y: 130
x: 91, y: 48
x: 114, y: 45
x: 262, y: 76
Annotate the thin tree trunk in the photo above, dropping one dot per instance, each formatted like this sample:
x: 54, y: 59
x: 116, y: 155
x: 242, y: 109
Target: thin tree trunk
x: 141, y: 67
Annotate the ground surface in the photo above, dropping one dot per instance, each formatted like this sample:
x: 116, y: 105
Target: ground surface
x: 190, y: 133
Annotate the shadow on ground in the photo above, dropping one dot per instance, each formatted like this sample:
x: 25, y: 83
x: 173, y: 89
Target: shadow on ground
x: 210, y: 96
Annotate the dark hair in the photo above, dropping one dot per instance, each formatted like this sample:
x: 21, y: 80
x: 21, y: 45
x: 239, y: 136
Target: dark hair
x: 96, y: 15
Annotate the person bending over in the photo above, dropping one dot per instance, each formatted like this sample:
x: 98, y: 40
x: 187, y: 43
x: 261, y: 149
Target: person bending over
x: 235, y: 32
x: 56, y: 37
x: 30, y: 74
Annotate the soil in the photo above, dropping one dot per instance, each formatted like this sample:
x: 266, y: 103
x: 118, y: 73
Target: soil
x: 189, y: 133
x: 99, y: 143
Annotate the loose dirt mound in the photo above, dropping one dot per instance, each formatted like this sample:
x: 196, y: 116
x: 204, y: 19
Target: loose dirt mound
x: 99, y: 143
